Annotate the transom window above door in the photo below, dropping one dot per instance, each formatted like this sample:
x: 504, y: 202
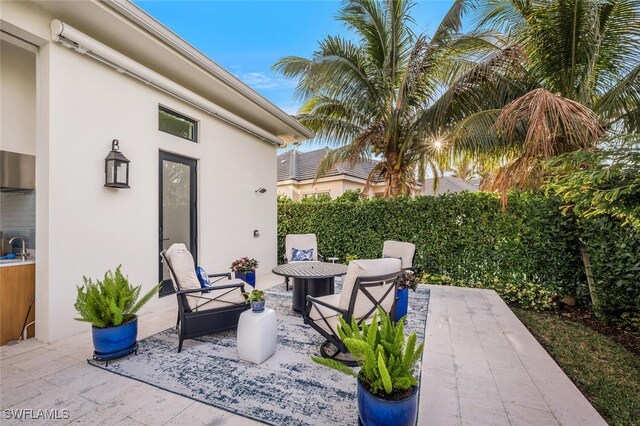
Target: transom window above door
x: 177, y: 124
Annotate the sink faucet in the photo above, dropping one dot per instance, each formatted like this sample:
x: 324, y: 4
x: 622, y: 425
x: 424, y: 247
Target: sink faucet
x: 24, y: 253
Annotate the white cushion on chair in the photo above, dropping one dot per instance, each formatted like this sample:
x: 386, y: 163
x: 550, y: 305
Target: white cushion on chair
x: 301, y: 242
x: 364, y: 268
x: 182, y: 264
x: 331, y: 299
x: 400, y: 250
x: 332, y: 317
x: 231, y: 296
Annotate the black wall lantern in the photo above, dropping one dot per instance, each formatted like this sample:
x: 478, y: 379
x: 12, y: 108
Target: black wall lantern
x: 116, y: 168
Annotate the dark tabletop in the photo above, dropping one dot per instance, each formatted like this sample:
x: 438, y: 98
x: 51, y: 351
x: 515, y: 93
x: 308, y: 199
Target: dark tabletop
x: 310, y: 269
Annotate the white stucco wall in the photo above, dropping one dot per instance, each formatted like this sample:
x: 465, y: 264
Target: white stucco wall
x: 85, y: 229
x: 335, y: 186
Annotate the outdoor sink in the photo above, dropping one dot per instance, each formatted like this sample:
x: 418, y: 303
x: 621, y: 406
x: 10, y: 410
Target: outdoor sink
x: 16, y: 260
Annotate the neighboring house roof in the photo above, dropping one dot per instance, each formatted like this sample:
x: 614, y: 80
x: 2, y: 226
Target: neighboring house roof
x: 449, y: 184
x: 297, y: 165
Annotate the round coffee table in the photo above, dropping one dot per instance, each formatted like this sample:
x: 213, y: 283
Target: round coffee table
x: 310, y: 278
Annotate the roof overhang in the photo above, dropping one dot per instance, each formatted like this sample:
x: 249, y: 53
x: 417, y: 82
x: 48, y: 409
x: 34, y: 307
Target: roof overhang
x: 125, y: 27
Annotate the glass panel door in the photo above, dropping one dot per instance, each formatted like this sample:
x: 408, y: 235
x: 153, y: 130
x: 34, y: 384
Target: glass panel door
x: 177, y: 209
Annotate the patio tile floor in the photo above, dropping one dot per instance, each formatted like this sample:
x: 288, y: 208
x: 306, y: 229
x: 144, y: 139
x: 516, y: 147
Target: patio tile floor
x: 480, y: 366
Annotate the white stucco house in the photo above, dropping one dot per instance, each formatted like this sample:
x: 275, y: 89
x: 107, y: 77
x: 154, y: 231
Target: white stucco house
x: 78, y: 75
x: 297, y: 176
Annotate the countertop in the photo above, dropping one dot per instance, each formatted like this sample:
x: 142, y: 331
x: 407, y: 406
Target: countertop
x: 17, y: 262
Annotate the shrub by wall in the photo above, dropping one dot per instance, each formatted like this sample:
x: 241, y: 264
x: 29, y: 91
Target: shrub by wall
x: 529, y: 254
x: 615, y: 259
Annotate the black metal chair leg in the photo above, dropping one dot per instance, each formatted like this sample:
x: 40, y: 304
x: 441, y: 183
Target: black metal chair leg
x: 349, y: 362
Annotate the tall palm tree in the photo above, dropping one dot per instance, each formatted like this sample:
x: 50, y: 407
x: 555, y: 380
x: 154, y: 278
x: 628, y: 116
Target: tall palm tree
x: 369, y: 97
x: 577, y: 79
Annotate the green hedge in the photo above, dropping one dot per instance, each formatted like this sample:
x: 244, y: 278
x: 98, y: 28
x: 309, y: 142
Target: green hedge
x: 530, y: 254
x: 463, y: 236
x: 615, y: 259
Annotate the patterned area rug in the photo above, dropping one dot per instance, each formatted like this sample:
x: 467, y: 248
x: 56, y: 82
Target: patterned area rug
x: 286, y: 389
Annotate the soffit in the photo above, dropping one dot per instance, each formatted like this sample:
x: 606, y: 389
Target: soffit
x: 108, y: 26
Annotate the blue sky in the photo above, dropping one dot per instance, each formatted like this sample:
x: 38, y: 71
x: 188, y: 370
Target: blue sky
x: 247, y: 37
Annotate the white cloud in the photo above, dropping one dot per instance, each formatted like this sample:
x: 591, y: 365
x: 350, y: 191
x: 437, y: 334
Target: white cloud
x: 265, y: 81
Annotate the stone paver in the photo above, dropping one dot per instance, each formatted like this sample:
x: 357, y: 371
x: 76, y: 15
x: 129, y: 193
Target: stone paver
x: 481, y: 366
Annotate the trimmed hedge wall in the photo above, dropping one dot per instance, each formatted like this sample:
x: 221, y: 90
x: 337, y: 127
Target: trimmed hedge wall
x: 615, y: 260
x: 530, y: 254
x: 463, y: 236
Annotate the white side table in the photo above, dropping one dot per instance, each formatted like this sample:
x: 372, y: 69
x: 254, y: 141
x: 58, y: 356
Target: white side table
x: 257, y: 335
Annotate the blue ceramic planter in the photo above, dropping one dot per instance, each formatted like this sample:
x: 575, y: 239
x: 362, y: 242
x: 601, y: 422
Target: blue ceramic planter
x: 402, y: 303
x: 249, y: 278
x: 257, y: 306
x: 374, y: 411
x: 109, y: 343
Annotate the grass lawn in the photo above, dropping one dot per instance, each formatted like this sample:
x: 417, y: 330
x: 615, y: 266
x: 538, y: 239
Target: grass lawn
x: 606, y: 373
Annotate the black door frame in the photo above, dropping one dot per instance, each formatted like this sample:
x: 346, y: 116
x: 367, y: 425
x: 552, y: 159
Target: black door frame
x: 167, y: 287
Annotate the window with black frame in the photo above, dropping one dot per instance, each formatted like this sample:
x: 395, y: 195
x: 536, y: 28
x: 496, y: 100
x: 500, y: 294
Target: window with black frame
x: 177, y: 124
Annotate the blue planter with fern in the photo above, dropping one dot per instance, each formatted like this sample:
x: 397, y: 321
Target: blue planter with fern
x: 114, y: 342
x: 387, y: 387
x: 374, y: 411
x: 110, y: 305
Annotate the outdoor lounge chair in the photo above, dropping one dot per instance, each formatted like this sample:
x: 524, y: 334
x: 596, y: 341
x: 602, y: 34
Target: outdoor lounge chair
x: 202, y: 311
x: 368, y: 284
x: 300, y: 242
x: 406, y: 252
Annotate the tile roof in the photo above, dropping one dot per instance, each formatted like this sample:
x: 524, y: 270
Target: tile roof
x: 449, y: 184
x: 299, y: 166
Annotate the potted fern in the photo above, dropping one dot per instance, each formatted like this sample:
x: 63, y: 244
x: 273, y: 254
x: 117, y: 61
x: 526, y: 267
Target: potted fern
x: 387, y: 388
x: 110, y: 306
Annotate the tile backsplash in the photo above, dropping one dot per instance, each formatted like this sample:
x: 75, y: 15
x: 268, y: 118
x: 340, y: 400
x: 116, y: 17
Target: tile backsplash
x: 18, y: 216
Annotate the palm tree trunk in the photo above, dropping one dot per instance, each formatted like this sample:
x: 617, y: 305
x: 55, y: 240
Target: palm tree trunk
x: 586, y: 260
x: 394, y: 183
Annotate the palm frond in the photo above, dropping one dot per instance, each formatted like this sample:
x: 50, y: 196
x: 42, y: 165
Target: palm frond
x: 551, y: 124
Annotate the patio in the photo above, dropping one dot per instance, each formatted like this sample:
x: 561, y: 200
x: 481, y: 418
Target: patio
x: 480, y: 366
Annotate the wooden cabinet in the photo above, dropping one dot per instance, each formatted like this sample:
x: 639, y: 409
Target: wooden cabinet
x: 17, y: 286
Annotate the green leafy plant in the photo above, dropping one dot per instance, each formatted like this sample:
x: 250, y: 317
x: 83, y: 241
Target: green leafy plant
x: 350, y: 257
x: 464, y: 236
x: 244, y: 265
x: 254, y: 296
x: 110, y: 302
x: 386, y: 357
x: 408, y: 280
x: 600, y: 182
